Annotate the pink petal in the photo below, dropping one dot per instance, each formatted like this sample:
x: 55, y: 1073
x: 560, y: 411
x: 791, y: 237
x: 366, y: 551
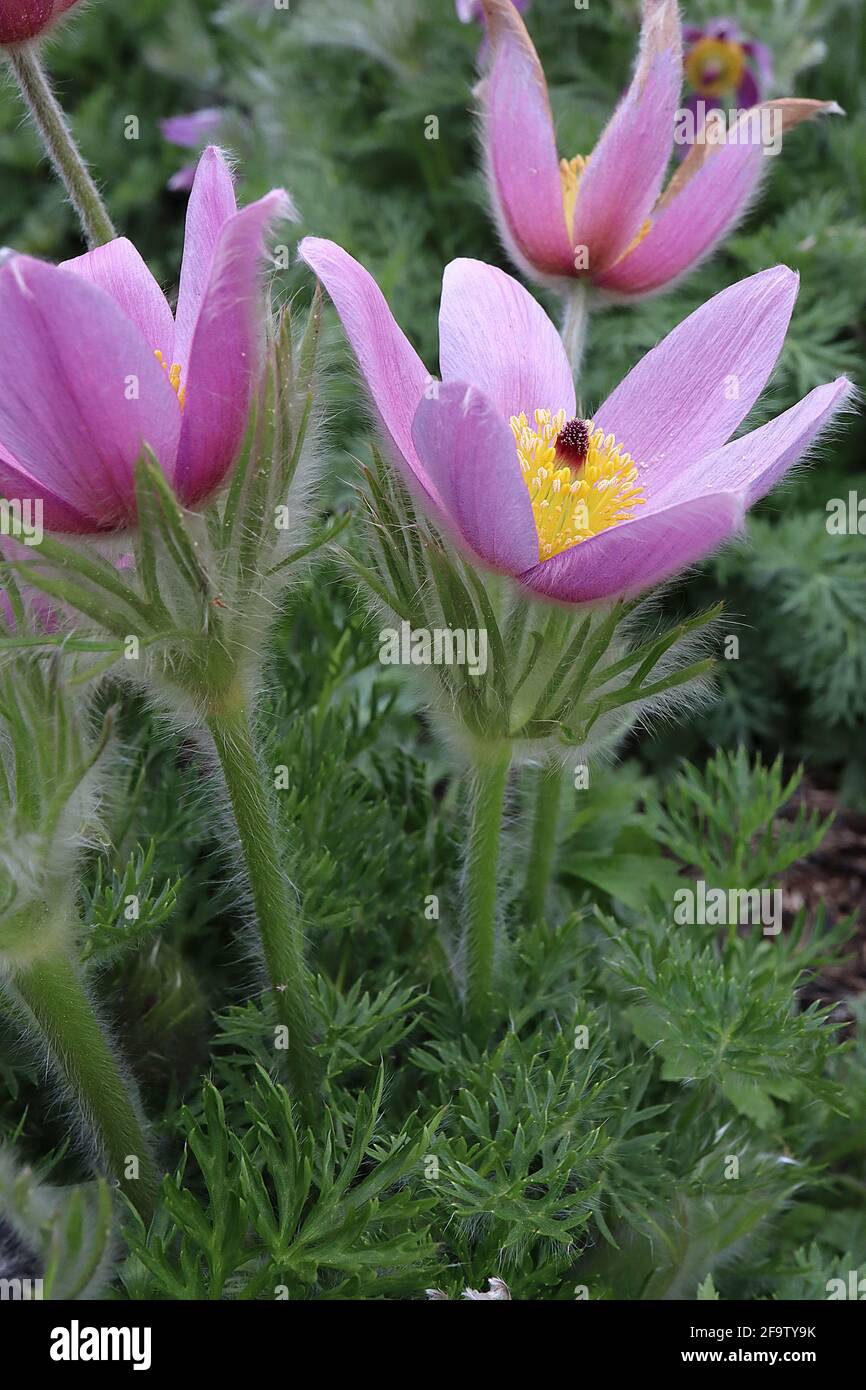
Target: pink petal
x: 183, y: 180
x: 688, y: 395
x: 393, y: 372
x: 519, y: 145
x: 755, y: 462
x: 193, y: 128
x: 640, y: 553
x: 69, y: 360
x: 226, y: 353
x: 624, y: 177
x: 211, y: 204
x: 16, y: 485
x: 119, y: 269
x: 709, y: 193
x: 469, y: 452
x: 494, y: 334
x: 686, y: 229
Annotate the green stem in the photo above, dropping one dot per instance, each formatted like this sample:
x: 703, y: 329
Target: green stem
x: 51, y: 989
x: 480, y: 884
x: 575, y: 323
x: 65, y: 156
x: 542, y: 851
x: 273, y: 896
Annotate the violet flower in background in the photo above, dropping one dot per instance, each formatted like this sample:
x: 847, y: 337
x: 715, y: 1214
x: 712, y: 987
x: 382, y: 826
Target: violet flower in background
x: 94, y: 365
x: 192, y: 131
x: 577, y: 510
x: 723, y: 69
x: 606, y: 219
x: 720, y: 62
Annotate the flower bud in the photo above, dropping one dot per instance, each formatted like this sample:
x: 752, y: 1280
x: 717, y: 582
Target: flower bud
x: 21, y: 20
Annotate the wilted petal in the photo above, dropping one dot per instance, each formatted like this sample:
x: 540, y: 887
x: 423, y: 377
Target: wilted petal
x: 637, y: 554
x: 82, y: 391
x: 226, y: 354
x: 212, y: 202
x: 392, y: 370
x: 494, y: 334
x: 520, y: 147
x: 469, y: 452
x: 119, y: 269
x: 688, y: 395
x: 755, y: 462
x: 709, y: 193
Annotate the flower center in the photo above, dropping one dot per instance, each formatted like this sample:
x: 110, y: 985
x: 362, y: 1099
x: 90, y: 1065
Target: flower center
x: 173, y: 376
x: 715, y: 67
x: 571, y: 171
x: 580, y: 482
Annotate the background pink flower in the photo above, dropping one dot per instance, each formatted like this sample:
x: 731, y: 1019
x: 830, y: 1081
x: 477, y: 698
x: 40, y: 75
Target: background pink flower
x: 606, y: 218
x: 94, y: 365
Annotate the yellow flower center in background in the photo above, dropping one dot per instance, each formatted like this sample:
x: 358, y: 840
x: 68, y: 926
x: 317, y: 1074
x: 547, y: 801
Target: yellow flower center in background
x: 571, y: 171
x: 715, y: 66
x: 571, y: 503
x: 173, y: 376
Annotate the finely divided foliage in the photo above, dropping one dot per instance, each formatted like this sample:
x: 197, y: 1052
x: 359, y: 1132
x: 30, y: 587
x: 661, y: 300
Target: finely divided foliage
x: 431, y: 797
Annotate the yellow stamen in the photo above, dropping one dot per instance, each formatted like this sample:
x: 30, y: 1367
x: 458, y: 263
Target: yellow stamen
x: 173, y: 376
x: 571, y: 171
x: 570, y: 505
x: 635, y: 241
x: 714, y: 67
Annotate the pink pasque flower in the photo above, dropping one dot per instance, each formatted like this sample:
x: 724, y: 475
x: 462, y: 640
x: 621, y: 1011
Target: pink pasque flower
x: 94, y: 365
x: 21, y: 20
x: 577, y: 510
x: 604, y: 219
x: 721, y: 63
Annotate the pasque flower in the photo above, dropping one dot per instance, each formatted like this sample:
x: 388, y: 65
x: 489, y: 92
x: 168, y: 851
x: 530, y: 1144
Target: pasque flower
x: 578, y: 510
x: 21, y: 20
x: 605, y: 219
x: 95, y: 366
x: 722, y: 64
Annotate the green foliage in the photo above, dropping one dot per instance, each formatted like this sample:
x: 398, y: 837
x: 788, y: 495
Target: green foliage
x: 285, y: 1215
x: 124, y: 909
x: 722, y: 819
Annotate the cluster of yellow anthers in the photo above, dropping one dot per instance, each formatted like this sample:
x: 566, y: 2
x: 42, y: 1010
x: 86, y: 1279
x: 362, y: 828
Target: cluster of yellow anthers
x: 573, y: 501
x: 571, y: 171
x: 173, y: 376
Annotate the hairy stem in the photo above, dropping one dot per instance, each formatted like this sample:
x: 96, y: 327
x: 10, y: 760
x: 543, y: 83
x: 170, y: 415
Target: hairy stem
x: 479, y: 886
x: 60, y: 147
x: 273, y: 897
x: 542, y: 850
x: 51, y: 990
x: 575, y: 323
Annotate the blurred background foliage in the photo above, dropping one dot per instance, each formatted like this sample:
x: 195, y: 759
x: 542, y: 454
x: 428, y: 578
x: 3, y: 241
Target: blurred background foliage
x: 556, y: 1166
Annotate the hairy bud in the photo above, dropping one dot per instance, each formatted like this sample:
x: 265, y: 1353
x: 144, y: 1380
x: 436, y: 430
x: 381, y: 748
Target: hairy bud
x: 22, y: 20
